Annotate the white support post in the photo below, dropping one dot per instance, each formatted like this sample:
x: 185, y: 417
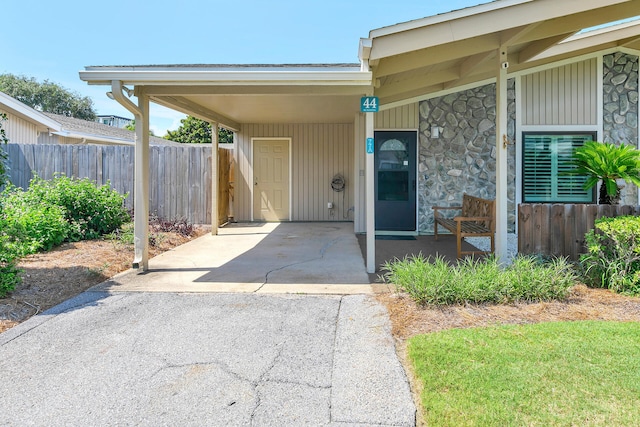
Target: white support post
x: 214, y: 178
x: 141, y: 195
x: 370, y: 197
x: 502, y: 170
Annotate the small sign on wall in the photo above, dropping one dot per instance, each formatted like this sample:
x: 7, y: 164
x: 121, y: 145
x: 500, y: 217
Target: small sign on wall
x: 370, y: 145
x: 369, y: 104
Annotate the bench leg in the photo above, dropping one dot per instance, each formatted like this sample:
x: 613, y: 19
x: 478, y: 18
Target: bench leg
x: 493, y: 243
x: 459, y: 239
x: 435, y: 230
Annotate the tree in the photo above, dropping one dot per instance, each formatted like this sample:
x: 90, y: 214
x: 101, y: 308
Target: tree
x: 606, y: 163
x: 132, y: 127
x: 196, y: 131
x: 47, y: 96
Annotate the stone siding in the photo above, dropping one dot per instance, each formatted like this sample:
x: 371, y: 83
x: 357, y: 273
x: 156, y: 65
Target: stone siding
x: 620, y: 99
x: 462, y: 159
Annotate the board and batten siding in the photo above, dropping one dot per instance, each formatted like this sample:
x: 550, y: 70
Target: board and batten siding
x: 318, y: 153
x: 404, y: 117
x: 18, y: 130
x: 566, y: 95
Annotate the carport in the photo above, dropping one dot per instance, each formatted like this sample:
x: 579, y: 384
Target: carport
x: 400, y: 64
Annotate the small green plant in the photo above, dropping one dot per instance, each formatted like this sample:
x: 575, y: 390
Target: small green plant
x: 9, y: 277
x: 613, y: 257
x: 436, y: 282
x: 606, y: 163
x: 4, y: 157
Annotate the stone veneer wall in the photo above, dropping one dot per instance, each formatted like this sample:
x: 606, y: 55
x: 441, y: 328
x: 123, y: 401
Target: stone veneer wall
x: 620, y: 97
x: 463, y: 158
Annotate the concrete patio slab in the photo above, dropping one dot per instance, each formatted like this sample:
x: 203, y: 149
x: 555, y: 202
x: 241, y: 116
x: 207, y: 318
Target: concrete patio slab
x: 311, y: 258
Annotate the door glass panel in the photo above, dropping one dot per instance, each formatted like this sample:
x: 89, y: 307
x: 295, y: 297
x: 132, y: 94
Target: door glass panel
x: 393, y: 171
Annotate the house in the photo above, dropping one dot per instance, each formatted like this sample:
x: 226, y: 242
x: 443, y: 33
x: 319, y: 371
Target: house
x: 26, y: 125
x: 23, y: 123
x: 486, y: 100
x: 112, y: 120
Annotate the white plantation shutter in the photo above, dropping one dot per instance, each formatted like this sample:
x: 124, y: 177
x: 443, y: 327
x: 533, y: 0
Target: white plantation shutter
x: 547, y: 159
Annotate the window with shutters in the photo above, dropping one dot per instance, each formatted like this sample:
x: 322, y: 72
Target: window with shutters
x: 545, y: 167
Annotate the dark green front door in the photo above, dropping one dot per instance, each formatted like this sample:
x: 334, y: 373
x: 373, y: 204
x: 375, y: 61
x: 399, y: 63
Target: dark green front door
x: 395, y: 180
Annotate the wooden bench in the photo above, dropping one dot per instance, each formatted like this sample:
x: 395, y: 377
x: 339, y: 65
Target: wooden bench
x: 477, y: 219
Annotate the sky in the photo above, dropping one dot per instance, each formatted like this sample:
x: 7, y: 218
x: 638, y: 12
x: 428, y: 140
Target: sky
x: 54, y: 40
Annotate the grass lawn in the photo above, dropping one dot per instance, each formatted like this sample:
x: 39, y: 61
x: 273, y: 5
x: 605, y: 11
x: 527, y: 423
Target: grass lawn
x: 547, y: 374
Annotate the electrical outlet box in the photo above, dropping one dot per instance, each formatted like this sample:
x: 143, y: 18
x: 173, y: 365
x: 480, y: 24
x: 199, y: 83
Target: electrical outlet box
x: 330, y: 205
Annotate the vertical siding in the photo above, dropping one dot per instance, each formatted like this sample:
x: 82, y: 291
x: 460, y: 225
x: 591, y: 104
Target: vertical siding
x: 564, y: 95
x: 404, y: 117
x: 19, y: 131
x: 318, y: 152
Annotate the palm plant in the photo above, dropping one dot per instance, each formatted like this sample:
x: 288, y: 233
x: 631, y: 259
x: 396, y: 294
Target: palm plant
x: 606, y: 163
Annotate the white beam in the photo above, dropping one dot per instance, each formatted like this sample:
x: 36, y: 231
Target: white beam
x: 141, y: 183
x: 214, y: 178
x: 501, y: 156
x: 141, y: 174
x: 370, y: 197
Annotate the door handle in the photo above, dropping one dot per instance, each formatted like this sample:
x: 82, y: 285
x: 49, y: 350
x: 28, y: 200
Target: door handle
x: 413, y: 184
x: 255, y: 181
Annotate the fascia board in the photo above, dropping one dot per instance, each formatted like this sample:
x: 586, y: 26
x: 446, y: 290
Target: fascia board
x: 92, y: 137
x: 142, y: 77
x: 444, y: 17
x: 474, y: 22
x: 27, y: 113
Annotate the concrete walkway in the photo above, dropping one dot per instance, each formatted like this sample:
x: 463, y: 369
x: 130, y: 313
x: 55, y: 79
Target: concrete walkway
x: 126, y: 353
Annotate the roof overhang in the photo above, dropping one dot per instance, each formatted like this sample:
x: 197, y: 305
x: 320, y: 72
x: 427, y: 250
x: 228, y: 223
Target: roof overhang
x: 441, y: 53
x: 231, y: 95
x: 18, y: 109
x: 400, y: 64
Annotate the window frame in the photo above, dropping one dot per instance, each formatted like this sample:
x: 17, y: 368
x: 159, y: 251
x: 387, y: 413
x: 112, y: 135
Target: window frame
x: 592, y: 192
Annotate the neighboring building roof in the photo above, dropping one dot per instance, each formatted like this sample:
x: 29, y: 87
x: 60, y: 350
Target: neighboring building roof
x: 84, y: 129
x: 17, y: 108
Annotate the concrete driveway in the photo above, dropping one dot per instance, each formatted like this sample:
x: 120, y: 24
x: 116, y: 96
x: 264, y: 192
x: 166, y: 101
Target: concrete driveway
x: 146, y: 351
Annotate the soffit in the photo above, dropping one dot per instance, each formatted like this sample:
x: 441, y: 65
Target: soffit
x: 424, y: 57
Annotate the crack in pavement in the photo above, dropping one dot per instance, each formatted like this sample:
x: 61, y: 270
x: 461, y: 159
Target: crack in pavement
x: 322, y: 252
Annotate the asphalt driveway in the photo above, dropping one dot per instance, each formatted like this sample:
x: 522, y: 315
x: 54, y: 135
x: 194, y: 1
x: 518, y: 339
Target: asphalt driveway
x: 144, y: 350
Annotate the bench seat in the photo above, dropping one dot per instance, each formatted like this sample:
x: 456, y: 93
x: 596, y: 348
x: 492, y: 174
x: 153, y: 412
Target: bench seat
x: 476, y: 219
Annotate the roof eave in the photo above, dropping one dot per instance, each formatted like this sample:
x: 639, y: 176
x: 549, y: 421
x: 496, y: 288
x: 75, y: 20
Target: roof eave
x: 189, y: 77
x: 27, y: 113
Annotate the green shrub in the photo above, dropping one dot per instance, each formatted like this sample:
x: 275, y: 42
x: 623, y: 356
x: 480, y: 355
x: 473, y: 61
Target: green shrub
x: 28, y: 227
x: 90, y: 210
x: 613, y: 257
x: 435, y: 281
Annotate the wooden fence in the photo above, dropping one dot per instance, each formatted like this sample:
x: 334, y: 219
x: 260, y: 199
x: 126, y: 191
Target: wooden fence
x: 559, y: 229
x: 179, y: 177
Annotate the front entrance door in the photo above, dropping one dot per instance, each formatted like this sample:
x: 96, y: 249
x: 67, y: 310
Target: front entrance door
x: 395, y: 180
x: 271, y: 180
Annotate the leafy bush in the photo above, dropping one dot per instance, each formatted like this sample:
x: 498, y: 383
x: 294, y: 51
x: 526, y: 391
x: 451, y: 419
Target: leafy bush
x: 613, y: 257
x: 435, y: 281
x: 28, y: 227
x: 90, y: 210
